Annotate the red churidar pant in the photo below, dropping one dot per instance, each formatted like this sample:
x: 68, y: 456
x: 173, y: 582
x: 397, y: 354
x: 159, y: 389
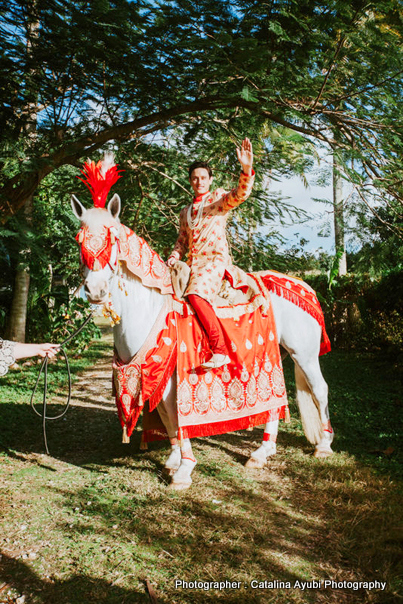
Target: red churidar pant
x: 208, y: 319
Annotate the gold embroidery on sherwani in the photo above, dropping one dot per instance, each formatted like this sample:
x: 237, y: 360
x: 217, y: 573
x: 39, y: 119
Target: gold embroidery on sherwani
x: 208, y: 253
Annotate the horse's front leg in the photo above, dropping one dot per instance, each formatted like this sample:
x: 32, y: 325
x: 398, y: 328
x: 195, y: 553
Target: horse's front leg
x: 181, y: 460
x: 169, y: 416
x: 259, y: 457
x: 182, y: 478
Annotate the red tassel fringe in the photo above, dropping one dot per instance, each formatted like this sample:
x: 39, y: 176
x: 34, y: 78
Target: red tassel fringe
x: 299, y: 301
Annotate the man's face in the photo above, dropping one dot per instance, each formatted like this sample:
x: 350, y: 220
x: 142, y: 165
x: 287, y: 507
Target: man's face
x: 200, y: 181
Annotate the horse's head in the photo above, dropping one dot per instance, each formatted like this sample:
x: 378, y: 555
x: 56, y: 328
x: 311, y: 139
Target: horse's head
x: 99, y: 246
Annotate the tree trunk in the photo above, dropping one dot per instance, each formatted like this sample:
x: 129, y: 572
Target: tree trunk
x: 338, y: 206
x: 251, y: 232
x: 18, y: 316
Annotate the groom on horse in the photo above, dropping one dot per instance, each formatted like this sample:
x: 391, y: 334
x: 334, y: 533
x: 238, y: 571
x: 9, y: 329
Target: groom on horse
x: 202, y: 234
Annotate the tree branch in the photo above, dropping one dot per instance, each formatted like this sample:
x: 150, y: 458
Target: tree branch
x: 338, y: 49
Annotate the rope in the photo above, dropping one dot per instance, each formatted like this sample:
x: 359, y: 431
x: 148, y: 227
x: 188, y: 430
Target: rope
x: 44, y: 368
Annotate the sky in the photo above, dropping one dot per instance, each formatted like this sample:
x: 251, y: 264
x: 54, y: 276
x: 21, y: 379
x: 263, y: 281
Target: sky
x: 302, y: 197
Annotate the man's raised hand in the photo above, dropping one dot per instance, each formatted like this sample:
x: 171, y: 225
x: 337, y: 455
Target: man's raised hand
x: 245, y: 156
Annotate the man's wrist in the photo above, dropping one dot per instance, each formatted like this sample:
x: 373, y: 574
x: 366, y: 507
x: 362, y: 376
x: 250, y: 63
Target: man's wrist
x: 248, y: 170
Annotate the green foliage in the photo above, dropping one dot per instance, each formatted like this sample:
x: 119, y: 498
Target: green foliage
x: 334, y: 269
x: 142, y: 67
x: 166, y: 82
x: 68, y: 319
x: 49, y: 251
x: 362, y: 313
x: 381, y: 245
x: 57, y: 321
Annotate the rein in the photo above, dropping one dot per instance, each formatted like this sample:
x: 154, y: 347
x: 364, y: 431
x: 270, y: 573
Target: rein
x: 44, y: 368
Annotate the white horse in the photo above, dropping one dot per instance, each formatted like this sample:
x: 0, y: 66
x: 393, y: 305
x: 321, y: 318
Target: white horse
x: 298, y: 333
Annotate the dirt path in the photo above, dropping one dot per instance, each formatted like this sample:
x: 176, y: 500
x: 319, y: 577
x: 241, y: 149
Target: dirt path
x: 93, y: 386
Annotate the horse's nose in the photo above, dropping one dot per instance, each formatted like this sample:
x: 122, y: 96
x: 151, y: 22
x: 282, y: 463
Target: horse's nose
x: 95, y: 292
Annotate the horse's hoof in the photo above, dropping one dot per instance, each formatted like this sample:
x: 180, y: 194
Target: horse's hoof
x: 255, y: 464
x: 181, y: 479
x: 180, y: 486
x: 322, y: 453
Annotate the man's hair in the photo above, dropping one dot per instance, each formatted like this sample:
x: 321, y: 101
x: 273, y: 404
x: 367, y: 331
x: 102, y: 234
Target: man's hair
x: 200, y: 164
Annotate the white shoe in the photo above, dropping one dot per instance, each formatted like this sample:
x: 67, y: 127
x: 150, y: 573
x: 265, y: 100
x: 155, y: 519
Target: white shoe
x: 217, y: 360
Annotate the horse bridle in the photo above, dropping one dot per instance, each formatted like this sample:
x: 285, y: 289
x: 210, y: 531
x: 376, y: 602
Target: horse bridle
x: 96, y: 259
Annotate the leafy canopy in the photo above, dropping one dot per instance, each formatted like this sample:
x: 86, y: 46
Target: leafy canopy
x: 86, y: 73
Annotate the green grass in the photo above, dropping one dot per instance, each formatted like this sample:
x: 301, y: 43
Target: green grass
x: 366, y: 405
x: 96, y: 520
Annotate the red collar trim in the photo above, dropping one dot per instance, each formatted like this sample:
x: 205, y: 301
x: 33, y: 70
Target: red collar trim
x: 200, y: 197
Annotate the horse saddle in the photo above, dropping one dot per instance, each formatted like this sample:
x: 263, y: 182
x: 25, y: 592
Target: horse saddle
x: 180, y: 275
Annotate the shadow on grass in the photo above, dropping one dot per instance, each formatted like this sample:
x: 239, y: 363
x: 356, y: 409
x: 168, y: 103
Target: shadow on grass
x: 365, y: 406
x: 331, y: 521
x: 332, y: 518
x: 78, y: 589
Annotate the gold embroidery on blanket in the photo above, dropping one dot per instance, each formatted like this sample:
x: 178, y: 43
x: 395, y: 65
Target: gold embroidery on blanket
x: 251, y: 393
x: 235, y: 395
x: 263, y: 386
x: 202, y: 398
x: 126, y: 401
x: 185, y: 405
x: 133, y: 379
x: 226, y: 376
x: 244, y: 374
x: 278, y: 381
x: 208, y: 378
x: 218, y: 402
x: 235, y: 312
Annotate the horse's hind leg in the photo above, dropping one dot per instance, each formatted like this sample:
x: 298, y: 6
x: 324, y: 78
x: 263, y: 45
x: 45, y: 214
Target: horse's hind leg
x: 259, y: 457
x: 312, y: 399
x: 182, y: 478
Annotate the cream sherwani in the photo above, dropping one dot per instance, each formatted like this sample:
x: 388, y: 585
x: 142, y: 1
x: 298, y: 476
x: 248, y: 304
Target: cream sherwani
x: 202, y: 234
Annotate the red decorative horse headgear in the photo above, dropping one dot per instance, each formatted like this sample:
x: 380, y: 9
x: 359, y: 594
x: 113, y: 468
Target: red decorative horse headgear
x: 100, y: 177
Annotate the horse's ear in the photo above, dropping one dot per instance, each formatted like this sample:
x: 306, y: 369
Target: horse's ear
x: 114, y: 206
x: 78, y: 208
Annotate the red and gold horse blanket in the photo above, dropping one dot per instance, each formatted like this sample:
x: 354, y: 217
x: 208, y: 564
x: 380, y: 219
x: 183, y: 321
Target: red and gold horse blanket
x: 239, y: 395
x: 248, y: 391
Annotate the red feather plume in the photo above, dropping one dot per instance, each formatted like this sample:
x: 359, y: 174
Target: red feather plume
x: 99, y: 182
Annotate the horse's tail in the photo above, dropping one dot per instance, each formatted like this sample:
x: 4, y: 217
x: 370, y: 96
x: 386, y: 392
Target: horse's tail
x: 311, y: 421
